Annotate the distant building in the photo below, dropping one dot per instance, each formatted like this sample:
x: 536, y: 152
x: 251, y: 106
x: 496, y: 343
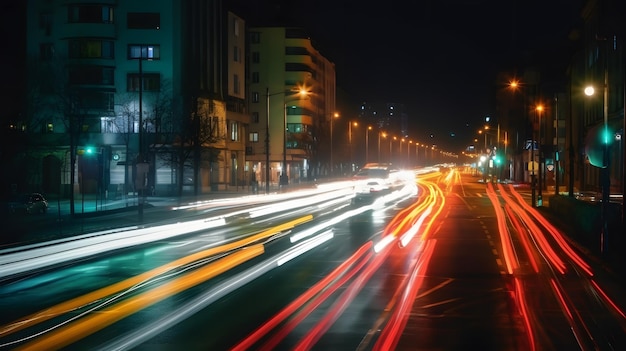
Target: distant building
x: 295, y: 126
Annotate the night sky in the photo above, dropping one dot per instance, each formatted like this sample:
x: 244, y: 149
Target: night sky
x: 439, y: 58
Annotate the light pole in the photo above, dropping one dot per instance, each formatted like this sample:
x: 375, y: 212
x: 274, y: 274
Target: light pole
x: 267, y: 141
x: 284, y: 180
x: 605, y: 167
x: 367, y: 143
x: 350, y: 142
x: 391, y: 149
x: 332, y: 168
x: 141, y: 163
x: 408, y: 153
x: 378, y: 158
x: 540, y: 168
x: 283, y: 176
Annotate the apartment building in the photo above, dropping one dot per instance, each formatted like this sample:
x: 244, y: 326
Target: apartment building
x: 128, y: 96
x: 291, y: 95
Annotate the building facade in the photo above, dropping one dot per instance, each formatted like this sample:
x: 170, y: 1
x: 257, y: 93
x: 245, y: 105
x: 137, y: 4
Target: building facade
x: 134, y: 96
x: 291, y: 95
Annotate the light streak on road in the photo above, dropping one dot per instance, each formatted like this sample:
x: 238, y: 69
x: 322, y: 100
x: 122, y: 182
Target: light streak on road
x: 363, y: 254
x: 523, y: 237
x: 505, y: 237
x: 522, y: 306
x: 607, y: 299
x: 29, y: 260
x: 305, y: 247
x: 126, y: 284
x: 390, y: 335
x: 554, y: 232
x: 89, y: 324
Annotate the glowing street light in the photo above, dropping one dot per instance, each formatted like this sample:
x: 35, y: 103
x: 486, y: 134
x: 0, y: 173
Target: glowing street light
x: 367, y: 143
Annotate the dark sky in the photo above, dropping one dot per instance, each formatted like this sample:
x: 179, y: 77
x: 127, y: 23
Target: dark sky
x: 437, y: 57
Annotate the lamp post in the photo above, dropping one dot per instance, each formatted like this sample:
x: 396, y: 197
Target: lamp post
x: 540, y: 168
x: 367, y: 143
x: 378, y: 158
x: 390, y: 148
x: 332, y: 168
x: 141, y: 165
x: 408, y: 153
x: 350, y: 123
x: 283, y: 177
x: 605, y: 169
x: 267, y: 141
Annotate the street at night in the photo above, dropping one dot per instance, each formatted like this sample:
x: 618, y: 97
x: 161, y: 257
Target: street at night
x: 446, y: 255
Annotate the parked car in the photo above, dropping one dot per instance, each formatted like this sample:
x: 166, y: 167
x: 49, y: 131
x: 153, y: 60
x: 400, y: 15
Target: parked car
x: 29, y: 203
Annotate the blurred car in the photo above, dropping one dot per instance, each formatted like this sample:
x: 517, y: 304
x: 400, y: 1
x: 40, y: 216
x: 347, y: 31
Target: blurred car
x: 368, y: 190
x: 29, y: 203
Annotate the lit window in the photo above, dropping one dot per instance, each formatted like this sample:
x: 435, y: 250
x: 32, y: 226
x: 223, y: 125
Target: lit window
x: 152, y: 52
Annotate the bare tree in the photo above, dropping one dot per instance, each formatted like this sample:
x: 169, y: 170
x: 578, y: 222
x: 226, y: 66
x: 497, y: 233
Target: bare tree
x: 51, y: 98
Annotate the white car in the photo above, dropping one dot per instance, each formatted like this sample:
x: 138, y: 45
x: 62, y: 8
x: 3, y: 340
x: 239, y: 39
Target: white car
x: 367, y: 190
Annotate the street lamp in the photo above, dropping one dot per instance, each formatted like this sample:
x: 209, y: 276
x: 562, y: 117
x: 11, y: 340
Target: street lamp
x: 540, y: 168
x: 283, y: 177
x: 390, y: 148
x: 142, y: 166
x: 332, y: 168
x: 605, y: 169
x: 350, y: 123
x: 367, y: 143
x: 384, y: 135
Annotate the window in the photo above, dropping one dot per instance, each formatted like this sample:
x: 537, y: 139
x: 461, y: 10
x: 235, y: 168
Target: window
x: 234, y: 131
x: 91, y: 48
x: 236, y: 54
x: 46, y: 51
x: 255, y: 37
x: 90, y: 14
x: 45, y: 22
x: 107, y: 125
x: 253, y: 137
x: 256, y: 57
x: 255, y: 77
x: 92, y: 75
x: 143, y: 20
x: 236, y: 84
x: 255, y: 117
x: 152, y: 52
x: 214, y: 126
x: 151, y: 82
x: 255, y: 97
x: 236, y: 27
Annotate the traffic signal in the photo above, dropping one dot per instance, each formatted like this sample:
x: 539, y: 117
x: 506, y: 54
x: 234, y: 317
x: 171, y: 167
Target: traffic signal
x: 598, y: 141
x: 87, y: 150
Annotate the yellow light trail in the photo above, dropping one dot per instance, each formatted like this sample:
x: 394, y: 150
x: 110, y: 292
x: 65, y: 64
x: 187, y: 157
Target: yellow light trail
x: 83, y: 300
x: 94, y: 322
